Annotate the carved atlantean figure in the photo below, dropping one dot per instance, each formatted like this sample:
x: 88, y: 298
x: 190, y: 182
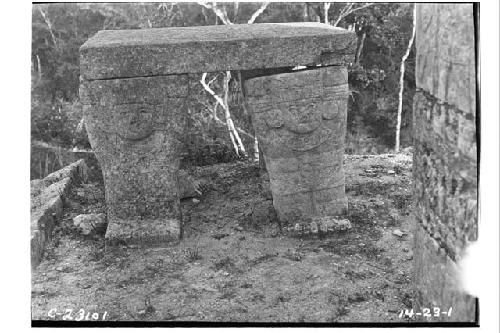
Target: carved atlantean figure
x: 300, y: 121
x: 135, y: 127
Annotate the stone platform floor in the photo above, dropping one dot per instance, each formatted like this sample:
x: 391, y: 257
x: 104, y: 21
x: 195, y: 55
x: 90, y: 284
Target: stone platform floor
x: 234, y: 264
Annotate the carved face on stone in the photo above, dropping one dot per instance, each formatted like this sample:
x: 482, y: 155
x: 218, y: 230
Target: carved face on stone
x: 300, y: 125
x: 298, y: 111
x: 134, y: 121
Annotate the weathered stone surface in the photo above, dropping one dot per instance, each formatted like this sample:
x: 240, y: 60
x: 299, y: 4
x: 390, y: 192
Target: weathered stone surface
x: 135, y: 109
x: 90, y: 223
x: 446, y: 54
x: 445, y: 156
x: 446, y: 128
x: 300, y: 121
x: 321, y: 225
x: 188, y: 186
x: 112, y: 54
x: 135, y: 127
x: 47, y: 205
x: 445, y: 193
x: 436, y: 278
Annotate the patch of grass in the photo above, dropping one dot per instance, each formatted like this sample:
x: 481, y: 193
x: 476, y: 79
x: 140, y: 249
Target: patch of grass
x: 358, y: 275
x: 228, y: 293
x: 96, y: 254
x: 193, y: 254
x: 340, y: 302
x: 369, y: 188
x: 257, y: 297
x: 402, y: 201
x: 282, y: 297
x: 261, y: 259
x: 227, y: 290
x: 357, y: 297
x: 226, y: 263
x: 371, y: 251
x: 294, y: 255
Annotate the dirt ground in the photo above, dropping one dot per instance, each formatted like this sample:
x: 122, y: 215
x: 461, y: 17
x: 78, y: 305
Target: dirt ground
x: 234, y: 264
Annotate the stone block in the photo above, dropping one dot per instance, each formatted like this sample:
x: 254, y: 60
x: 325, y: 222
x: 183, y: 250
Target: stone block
x: 135, y: 127
x: 300, y: 121
x: 90, y: 223
x: 445, y: 45
x: 47, y: 197
x: 445, y: 179
x: 112, y: 54
x: 436, y: 279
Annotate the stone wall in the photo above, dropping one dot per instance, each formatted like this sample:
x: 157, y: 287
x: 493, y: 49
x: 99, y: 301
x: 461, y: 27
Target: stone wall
x: 47, y: 198
x: 445, y: 158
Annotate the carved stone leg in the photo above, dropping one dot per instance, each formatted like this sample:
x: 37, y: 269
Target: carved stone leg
x: 300, y: 121
x: 135, y: 126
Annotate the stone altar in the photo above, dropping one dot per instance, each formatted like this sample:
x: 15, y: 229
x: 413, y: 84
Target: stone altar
x: 135, y: 88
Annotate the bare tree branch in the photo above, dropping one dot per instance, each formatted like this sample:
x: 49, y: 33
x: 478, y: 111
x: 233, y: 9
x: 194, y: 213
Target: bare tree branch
x: 221, y: 14
x: 229, y: 120
x: 401, y: 80
x: 327, y: 7
x: 213, y: 115
x: 236, y: 7
x: 258, y: 12
x: 360, y: 48
x: 39, y: 67
x: 49, y: 25
x: 233, y: 131
x: 347, y: 10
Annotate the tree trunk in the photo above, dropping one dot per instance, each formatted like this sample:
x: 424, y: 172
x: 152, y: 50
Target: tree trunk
x: 360, y: 48
x: 319, y: 14
x: 233, y: 131
x: 49, y: 25
x: 39, y: 67
x: 327, y: 7
x: 235, y: 14
x: 401, y: 82
x: 256, y: 149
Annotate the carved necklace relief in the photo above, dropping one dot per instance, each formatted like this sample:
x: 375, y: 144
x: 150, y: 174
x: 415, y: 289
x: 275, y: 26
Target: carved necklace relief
x: 300, y: 124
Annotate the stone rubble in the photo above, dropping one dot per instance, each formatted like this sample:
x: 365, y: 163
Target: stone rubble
x: 320, y: 225
x: 90, y: 223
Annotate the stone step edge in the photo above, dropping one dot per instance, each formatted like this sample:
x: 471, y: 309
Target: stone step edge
x: 50, y: 211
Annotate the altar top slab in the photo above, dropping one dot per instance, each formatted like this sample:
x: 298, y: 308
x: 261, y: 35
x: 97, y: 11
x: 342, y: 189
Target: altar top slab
x: 112, y: 54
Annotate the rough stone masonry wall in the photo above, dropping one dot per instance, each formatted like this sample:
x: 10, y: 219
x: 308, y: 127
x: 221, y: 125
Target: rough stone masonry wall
x: 47, y: 196
x: 445, y: 158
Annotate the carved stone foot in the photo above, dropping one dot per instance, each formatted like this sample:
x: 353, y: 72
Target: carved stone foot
x: 319, y: 226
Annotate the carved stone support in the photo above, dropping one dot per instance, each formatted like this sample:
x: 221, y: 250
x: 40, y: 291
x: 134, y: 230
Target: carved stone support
x: 135, y: 127
x: 300, y: 121
x: 135, y: 88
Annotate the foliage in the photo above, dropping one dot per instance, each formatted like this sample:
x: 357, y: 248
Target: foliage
x: 374, y: 80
